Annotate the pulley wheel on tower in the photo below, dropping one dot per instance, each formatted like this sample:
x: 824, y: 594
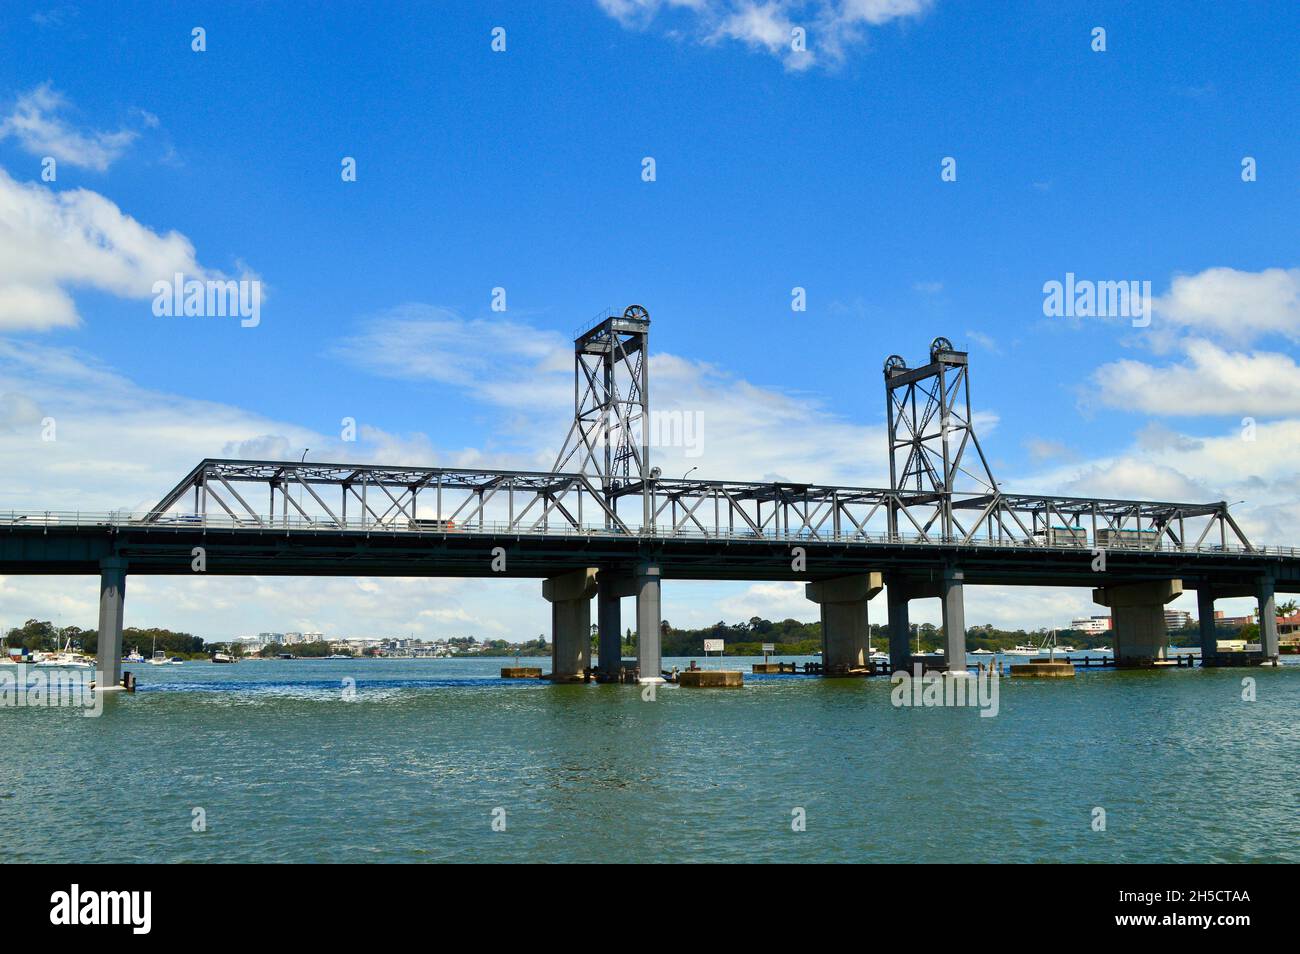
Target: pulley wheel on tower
x: 894, y: 363
x: 636, y: 313
x: 939, y: 344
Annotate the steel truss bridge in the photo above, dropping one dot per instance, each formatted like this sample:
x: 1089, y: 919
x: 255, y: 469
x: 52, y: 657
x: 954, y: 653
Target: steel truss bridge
x: 603, y: 505
x: 405, y: 508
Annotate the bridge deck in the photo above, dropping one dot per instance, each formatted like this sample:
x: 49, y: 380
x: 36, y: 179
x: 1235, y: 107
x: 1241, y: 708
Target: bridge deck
x: 73, y: 543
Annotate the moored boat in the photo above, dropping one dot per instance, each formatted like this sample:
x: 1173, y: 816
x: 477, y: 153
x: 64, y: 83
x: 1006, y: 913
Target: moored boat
x: 65, y: 660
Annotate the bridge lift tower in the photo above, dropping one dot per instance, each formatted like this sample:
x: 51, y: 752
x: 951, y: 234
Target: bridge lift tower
x: 609, y: 437
x: 930, y: 429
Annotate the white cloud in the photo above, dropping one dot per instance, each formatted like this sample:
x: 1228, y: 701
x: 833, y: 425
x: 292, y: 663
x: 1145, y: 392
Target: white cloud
x: 764, y: 26
x: 1208, y: 381
x: 1234, y: 306
x: 54, y: 17
x: 833, y: 26
x: 51, y: 242
x: 1200, y: 318
x: 120, y: 446
x: 769, y: 600
x: 36, y: 124
x: 1134, y: 477
x: 117, y: 445
x: 1047, y: 450
x: 632, y: 13
x: 501, y: 361
x: 987, y: 342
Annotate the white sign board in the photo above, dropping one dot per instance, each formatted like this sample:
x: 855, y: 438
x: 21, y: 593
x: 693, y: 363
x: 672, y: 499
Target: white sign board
x: 713, y: 645
x: 769, y: 647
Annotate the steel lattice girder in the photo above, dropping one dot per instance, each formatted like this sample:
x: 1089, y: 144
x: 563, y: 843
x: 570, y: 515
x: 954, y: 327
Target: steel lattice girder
x: 1149, y: 509
x: 528, y: 501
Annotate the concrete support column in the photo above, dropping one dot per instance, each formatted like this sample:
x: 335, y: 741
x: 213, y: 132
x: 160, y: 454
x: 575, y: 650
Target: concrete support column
x: 1138, y: 611
x: 570, y: 598
x: 846, y: 631
x: 1205, y: 622
x: 900, y: 630
x: 954, y: 619
x: 609, y: 618
x: 1267, y: 618
x: 112, y: 597
x: 648, y: 619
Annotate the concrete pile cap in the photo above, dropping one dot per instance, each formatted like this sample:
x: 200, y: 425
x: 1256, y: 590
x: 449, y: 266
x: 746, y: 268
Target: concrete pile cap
x: 711, y: 678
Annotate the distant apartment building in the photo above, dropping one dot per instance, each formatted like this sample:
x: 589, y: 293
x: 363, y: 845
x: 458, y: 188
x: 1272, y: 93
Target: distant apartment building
x: 1177, y: 619
x: 354, y: 644
x: 293, y: 639
x: 1232, y: 622
x: 1091, y: 625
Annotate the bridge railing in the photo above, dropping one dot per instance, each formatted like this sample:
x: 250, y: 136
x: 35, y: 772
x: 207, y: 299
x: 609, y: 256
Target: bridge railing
x: 116, y: 521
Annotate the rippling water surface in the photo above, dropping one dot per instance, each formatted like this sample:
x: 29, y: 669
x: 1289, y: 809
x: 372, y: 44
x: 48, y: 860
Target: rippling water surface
x: 287, y: 768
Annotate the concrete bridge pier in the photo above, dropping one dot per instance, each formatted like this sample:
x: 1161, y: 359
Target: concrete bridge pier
x: 1205, y: 622
x: 954, y: 619
x: 570, y: 598
x: 1267, y: 619
x: 648, y: 621
x: 610, y: 589
x: 900, y: 630
x: 1138, y: 611
x: 846, y: 632
x: 112, y: 597
x: 950, y: 590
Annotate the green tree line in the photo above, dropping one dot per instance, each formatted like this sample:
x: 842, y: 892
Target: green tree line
x: 43, y: 636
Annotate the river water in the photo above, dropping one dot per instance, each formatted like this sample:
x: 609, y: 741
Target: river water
x: 414, y: 760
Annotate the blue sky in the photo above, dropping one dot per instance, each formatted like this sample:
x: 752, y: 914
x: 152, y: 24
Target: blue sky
x: 522, y: 169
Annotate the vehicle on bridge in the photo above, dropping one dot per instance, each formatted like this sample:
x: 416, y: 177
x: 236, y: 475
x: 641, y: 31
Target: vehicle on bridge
x: 1133, y: 538
x: 1062, y: 536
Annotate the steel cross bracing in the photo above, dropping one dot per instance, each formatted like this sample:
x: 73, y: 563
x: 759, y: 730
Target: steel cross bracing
x: 313, y: 496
